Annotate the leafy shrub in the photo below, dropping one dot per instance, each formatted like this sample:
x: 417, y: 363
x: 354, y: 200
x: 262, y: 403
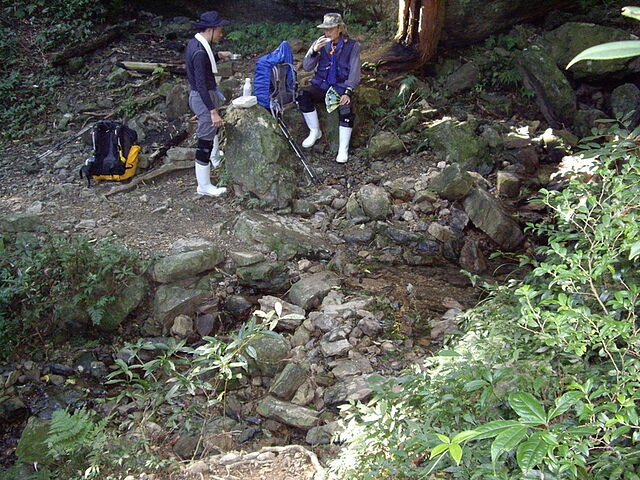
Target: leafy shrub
x: 544, y: 383
x: 260, y: 37
x: 39, y: 275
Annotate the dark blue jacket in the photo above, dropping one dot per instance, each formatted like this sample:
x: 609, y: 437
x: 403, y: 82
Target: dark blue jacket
x: 198, y: 65
x: 343, y: 67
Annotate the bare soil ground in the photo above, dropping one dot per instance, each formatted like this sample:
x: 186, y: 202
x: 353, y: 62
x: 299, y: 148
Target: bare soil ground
x: 153, y: 215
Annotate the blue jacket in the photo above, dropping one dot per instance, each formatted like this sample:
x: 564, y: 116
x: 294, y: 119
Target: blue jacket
x: 343, y: 67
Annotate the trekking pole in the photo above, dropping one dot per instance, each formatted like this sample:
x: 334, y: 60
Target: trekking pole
x: 296, y: 149
x: 60, y: 144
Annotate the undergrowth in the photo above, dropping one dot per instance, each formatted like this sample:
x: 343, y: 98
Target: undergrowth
x: 177, y: 389
x: 544, y: 381
x: 44, y: 278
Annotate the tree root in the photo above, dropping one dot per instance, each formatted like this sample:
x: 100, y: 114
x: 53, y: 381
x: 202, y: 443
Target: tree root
x: 169, y: 167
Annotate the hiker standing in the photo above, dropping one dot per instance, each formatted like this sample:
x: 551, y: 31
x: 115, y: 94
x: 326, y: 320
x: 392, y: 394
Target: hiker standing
x: 336, y: 59
x: 205, y: 98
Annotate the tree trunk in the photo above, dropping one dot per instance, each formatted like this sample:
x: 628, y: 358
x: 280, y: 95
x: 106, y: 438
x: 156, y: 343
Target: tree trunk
x: 420, y: 24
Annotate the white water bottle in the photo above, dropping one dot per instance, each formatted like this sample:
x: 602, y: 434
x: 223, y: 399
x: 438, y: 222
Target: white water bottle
x: 246, y: 89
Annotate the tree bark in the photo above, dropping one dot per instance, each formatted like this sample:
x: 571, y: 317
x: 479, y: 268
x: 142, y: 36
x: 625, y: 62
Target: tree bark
x: 420, y: 24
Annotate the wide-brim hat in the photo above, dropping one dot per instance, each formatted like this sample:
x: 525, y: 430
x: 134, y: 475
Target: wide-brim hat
x: 331, y: 20
x: 210, y: 20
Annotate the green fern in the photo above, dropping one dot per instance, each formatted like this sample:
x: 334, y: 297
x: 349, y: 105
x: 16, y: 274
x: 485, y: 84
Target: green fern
x: 72, y: 433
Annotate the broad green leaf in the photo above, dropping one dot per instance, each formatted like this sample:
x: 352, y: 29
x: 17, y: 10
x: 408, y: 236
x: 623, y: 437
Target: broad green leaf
x: 564, y: 403
x: 251, y: 352
x: 529, y: 409
x: 507, y: 441
x: 448, y: 353
x: 631, y: 12
x: 531, y: 452
x: 455, y: 451
x: 464, y: 436
x: 608, y: 51
x: 635, y: 250
x: 493, y: 429
x: 474, y: 385
x: 443, y: 438
x: 438, y: 449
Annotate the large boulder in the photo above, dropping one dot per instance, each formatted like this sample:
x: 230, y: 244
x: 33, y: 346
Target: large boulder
x: 568, y: 40
x: 554, y: 95
x: 286, y: 237
x: 457, y: 142
x: 471, y: 21
x: 258, y: 159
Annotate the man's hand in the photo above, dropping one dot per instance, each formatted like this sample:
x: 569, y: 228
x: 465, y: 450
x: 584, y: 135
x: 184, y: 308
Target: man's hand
x: 319, y: 43
x: 224, y: 55
x: 216, y: 119
x: 345, y: 100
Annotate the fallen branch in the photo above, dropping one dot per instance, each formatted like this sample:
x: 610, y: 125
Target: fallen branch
x: 89, y: 46
x: 148, y: 67
x: 167, y: 168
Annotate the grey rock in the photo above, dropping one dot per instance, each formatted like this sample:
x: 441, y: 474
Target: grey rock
x: 268, y: 276
x: 335, y: 348
x: 508, y: 184
x: 453, y: 183
x: 384, y: 144
x: 287, y: 413
x: 324, y: 434
x: 177, y: 101
x: 270, y: 354
x: 370, y: 326
x: 267, y: 304
x: 571, y: 38
x: 269, y: 173
x: 288, y: 381
x: 371, y: 201
x: 351, y: 388
x: 287, y: 237
x: 457, y: 142
x: 311, y: 289
x: 554, y: 95
x: 171, y: 301
x: 463, y: 79
x: 244, y: 259
x: 625, y: 101
x: 488, y: 215
x: 172, y: 268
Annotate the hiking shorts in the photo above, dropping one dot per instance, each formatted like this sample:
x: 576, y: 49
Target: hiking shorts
x: 206, y: 130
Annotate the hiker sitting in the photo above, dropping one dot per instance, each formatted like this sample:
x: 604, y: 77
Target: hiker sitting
x: 336, y: 59
x: 205, y: 97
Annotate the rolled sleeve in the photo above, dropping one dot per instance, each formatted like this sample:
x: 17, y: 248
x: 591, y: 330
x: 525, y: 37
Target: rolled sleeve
x: 310, y: 60
x: 354, y: 68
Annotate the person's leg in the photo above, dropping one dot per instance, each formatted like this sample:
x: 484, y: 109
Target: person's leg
x: 347, y: 117
x: 206, y: 134
x: 307, y: 98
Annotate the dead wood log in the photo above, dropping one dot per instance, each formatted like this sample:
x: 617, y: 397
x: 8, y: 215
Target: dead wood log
x: 150, y: 67
x: 94, y: 43
x: 167, y: 168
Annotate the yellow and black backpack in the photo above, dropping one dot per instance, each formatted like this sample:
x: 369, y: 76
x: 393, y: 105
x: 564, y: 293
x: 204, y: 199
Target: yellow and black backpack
x: 115, y: 152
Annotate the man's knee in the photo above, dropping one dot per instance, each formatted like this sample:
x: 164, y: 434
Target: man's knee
x: 203, y: 151
x: 305, y: 102
x: 346, y: 115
